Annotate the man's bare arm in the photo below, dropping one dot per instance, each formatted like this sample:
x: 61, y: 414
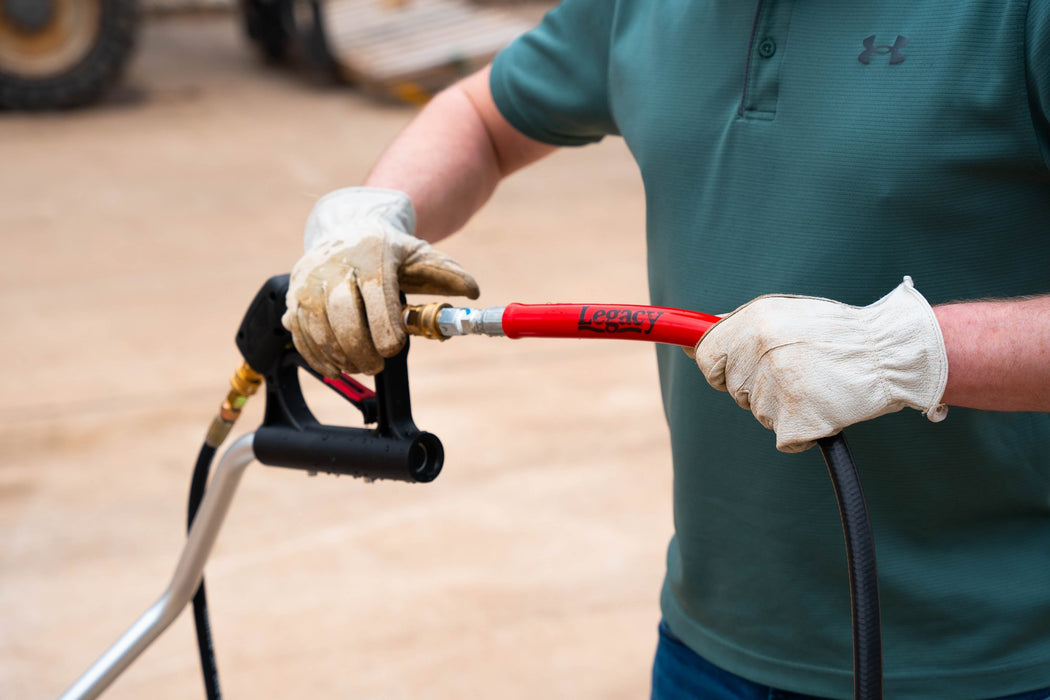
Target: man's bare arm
x: 998, y: 354
x: 450, y: 158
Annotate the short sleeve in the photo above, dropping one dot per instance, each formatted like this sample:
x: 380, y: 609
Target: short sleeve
x: 1037, y: 42
x: 551, y: 83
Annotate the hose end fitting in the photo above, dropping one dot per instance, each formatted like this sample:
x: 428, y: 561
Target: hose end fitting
x: 422, y: 320
x: 243, y: 384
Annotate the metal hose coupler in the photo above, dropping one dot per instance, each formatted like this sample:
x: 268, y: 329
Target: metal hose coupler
x: 243, y: 384
x: 441, y: 321
x: 456, y: 321
x: 422, y: 319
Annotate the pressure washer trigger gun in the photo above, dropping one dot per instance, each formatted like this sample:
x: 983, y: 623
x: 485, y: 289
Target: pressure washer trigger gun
x: 291, y: 436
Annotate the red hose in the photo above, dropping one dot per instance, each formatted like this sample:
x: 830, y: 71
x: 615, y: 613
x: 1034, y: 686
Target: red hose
x: 655, y: 324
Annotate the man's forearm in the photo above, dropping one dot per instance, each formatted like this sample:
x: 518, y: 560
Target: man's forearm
x: 998, y: 354
x: 450, y: 158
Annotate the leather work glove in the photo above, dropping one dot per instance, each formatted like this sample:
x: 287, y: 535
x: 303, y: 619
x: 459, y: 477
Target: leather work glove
x: 808, y: 367
x: 344, y: 310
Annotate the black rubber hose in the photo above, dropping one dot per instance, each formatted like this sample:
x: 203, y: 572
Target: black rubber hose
x: 863, y: 573
x: 205, y: 646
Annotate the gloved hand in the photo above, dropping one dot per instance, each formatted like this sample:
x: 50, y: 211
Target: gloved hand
x: 808, y: 367
x: 343, y: 306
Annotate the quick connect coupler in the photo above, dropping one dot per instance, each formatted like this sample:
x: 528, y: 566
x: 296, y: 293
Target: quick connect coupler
x: 439, y: 320
x: 244, y: 382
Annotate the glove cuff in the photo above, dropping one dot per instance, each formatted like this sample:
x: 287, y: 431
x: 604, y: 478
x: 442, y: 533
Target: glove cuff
x: 335, y: 215
x: 910, y: 350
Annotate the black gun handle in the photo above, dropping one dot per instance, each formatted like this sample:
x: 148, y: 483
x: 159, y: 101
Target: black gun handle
x: 291, y: 436
x: 350, y: 451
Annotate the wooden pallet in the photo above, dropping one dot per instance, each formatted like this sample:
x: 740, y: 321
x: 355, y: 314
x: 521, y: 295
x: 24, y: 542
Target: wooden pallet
x: 410, y: 49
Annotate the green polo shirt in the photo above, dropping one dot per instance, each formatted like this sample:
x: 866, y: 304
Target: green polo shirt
x: 830, y: 148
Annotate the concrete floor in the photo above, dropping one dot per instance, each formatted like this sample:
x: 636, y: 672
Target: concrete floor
x: 134, y: 236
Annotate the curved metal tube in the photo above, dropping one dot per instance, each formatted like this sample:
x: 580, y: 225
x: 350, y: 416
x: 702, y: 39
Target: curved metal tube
x: 184, y: 581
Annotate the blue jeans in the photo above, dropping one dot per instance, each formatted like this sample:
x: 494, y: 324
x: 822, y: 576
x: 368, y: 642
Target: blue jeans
x: 679, y: 673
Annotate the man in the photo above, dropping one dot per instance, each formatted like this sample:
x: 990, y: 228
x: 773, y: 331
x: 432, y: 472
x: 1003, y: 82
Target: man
x: 819, y: 149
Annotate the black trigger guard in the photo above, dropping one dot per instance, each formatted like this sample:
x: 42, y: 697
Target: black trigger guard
x: 290, y: 435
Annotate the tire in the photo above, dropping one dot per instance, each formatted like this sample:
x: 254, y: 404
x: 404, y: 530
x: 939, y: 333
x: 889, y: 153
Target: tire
x: 270, y: 25
x: 315, y: 54
x: 88, y: 44
x: 292, y: 32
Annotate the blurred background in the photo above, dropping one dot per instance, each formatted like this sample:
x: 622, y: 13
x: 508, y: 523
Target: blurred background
x: 137, y: 227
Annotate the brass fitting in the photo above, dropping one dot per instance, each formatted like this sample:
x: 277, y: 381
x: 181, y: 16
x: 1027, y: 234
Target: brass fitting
x: 422, y: 319
x: 244, y: 383
x: 245, y: 380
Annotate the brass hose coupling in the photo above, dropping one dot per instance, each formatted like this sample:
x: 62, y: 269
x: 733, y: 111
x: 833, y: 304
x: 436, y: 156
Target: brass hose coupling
x: 422, y: 319
x: 243, y: 384
x: 442, y: 321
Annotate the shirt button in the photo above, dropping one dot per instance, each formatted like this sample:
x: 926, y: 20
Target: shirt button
x: 767, y: 48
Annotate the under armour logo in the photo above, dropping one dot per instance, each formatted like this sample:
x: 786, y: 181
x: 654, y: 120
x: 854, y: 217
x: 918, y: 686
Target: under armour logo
x: 894, y: 51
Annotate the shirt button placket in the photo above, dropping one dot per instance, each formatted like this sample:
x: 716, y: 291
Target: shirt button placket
x: 762, y: 87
